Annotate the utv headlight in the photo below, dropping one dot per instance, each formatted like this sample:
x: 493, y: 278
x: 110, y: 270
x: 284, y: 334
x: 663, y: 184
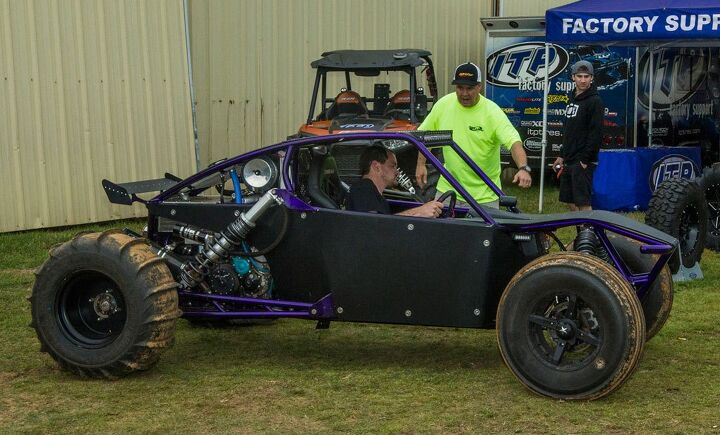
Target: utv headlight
x: 260, y: 174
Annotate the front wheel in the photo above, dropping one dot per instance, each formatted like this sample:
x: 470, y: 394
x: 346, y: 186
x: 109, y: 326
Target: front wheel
x: 570, y: 327
x: 104, y: 305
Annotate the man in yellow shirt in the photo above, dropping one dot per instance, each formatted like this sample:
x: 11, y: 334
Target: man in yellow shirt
x: 479, y: 127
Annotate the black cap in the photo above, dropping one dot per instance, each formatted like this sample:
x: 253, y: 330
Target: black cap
x: 467, y: 74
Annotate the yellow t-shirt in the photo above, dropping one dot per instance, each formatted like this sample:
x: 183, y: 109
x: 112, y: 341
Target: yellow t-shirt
x: 480, y: 131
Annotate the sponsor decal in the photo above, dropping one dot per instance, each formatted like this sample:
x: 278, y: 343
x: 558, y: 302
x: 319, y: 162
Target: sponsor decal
x: 475, y: 128
x: 526, y: 123
x: 524, y: 63
x: 678, y: 75
x: 528, y: 99
x: 672, y: 166
x: 531, y: 123
x: 558, y: 98
x: 532, y: 144
x: 556, y: 112
x: 538, y: 132
x: 356, y: 126
x: 532, y: 111
x: 510, y: 110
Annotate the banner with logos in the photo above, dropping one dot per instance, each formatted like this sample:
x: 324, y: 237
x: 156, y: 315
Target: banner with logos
x: 686, y: 94
x: 515, y: 73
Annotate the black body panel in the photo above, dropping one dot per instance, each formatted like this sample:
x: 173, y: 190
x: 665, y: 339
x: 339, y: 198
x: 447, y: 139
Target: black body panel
x: 391, y: 269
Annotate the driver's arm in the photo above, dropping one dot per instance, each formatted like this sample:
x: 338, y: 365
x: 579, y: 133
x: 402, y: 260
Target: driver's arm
x: 430, y: 209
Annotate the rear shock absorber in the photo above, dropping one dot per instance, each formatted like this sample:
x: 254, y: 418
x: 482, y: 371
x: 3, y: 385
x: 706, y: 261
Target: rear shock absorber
x: 195, y: 270
x: 586, y: 241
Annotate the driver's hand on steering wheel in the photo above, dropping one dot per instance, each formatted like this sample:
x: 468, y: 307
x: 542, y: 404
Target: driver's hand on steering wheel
x: 430, y: 209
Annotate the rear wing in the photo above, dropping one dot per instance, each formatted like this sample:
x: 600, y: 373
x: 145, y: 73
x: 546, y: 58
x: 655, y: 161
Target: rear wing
x: 125, y: 193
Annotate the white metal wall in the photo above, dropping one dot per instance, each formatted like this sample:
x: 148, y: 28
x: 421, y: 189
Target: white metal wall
x: 89, y: 90
x: 534, y: 8
x: 251, y: 58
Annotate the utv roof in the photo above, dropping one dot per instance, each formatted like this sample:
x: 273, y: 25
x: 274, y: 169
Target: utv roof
x: 352, y: 60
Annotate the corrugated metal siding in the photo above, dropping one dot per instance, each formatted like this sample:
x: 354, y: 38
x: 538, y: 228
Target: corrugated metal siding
x: 251, y: 59
x: 525, y: 8
x: 90, y: 90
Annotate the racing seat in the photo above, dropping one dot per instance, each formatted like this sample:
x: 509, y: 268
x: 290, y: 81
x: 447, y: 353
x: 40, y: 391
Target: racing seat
x: 399, y: 106
x: 324, y: 186
x: 347, y: 103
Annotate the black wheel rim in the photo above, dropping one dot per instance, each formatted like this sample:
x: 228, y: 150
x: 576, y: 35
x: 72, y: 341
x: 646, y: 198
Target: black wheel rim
x: 91, y: 310
x: 712, y: 196
x: 564, y: 332
x: 689, y: 230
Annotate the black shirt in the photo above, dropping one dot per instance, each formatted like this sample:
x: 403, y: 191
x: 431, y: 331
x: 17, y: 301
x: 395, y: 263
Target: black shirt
x: 583, y: 127
x: 364, y: 196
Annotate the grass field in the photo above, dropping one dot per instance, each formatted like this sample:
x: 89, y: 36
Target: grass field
x: 288, y: 377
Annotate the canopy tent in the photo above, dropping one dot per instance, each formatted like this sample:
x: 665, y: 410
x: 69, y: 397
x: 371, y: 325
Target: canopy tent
x: 635, y: 22
x: 651, y: 23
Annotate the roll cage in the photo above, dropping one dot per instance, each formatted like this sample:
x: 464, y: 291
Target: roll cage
x: 653, y: 242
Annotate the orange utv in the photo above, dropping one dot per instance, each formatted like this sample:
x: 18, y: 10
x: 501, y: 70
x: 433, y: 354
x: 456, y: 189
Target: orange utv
x: 370, y: 90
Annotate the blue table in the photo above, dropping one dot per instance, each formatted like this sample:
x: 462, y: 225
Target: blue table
x: 625, y: 178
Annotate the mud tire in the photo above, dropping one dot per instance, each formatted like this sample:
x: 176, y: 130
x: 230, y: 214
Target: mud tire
x: 657, y: 301
x: 570, y: 327
x: 104, y: 305
x: 711, y: 186
x: 678, y: 208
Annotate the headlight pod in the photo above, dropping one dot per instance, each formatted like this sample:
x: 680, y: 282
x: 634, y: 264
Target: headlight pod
x: 260, y: 173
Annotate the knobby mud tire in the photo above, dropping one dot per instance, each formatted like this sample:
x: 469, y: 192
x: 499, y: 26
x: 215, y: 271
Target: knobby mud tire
x: 678, y: 208
x: 104, y: 305
x: 711, y: 186
x: 570, y: 327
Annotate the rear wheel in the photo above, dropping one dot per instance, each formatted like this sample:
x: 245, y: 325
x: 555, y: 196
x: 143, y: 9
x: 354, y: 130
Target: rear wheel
x: 657, y: 301
x: 104, y: 305
x: 570, y: 327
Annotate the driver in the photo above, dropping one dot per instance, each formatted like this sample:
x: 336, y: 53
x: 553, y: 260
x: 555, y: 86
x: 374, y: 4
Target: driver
x: 378, y: 166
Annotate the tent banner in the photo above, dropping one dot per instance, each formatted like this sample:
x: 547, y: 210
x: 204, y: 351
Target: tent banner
x: 658, y: 24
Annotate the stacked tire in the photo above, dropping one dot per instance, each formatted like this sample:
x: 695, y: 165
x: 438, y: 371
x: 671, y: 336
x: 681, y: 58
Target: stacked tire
x: 711, y: 186
x: 678, y: 208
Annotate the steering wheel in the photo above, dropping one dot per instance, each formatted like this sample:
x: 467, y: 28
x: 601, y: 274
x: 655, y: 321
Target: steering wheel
x: 451, y: 206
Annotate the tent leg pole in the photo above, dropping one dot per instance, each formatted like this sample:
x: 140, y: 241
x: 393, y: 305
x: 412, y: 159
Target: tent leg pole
x: 544, y: 132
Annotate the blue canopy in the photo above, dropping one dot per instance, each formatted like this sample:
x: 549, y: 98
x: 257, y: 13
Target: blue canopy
x: 635, y: 22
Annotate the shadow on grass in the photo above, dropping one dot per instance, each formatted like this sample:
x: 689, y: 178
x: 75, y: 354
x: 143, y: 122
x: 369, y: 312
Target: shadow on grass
x: 296, y: 344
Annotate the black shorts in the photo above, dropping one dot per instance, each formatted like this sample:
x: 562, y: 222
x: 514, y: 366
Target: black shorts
x: 576, y: 184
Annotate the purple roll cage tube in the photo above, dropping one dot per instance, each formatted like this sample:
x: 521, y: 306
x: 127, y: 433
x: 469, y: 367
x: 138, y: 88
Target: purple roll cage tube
x: 324, y: 308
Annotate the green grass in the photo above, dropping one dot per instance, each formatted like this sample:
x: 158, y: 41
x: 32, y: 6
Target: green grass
x: 289, y: 377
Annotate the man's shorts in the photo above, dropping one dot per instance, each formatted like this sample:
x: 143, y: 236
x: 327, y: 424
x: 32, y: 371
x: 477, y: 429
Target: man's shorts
x: 576, y: 184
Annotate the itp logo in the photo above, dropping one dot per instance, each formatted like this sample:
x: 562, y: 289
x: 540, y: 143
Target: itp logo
x: 672, y: 166
x: 678, y: 73
x: 524, y: 62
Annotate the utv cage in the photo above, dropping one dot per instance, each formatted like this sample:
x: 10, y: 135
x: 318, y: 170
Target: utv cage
x: 370, y: 63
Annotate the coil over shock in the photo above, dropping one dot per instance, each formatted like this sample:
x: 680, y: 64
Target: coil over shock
x: 193, y: 272
x: 587, y: 241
